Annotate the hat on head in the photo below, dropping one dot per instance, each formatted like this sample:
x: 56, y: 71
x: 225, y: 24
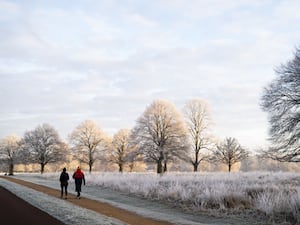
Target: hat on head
x: 64, y: 169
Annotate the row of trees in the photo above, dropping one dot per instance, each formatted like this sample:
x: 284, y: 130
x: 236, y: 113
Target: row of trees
x: 161, y: 135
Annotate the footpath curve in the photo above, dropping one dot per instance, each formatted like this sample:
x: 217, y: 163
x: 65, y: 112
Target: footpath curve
x: 97, y: 206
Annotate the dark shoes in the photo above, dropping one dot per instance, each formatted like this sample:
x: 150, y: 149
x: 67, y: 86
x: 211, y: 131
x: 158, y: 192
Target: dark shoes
x: 66, y: 197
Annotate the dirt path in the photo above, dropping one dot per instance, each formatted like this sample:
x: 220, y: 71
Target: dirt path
x: 99, y: 207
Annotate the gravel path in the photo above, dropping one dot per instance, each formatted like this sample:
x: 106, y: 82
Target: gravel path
x: 129, y: 209
x: 100, y: 207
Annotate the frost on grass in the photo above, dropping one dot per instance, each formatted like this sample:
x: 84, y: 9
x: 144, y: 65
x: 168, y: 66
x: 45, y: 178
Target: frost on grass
x: 275, y: 195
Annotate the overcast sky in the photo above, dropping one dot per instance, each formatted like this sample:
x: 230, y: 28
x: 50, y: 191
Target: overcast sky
x: 62, y: 62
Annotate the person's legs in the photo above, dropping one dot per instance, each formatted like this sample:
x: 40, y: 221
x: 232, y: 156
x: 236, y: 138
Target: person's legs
x: 66, y: 190
x: 61, y: 190
x: 79, y: 190
x: 78, y: 187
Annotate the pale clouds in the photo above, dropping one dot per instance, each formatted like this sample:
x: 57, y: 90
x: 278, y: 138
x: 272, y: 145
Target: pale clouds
x: 107, y: 60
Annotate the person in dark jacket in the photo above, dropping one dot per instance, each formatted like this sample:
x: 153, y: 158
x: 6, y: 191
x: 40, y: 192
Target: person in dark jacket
x: 78, y: 176
x: 64, y: 177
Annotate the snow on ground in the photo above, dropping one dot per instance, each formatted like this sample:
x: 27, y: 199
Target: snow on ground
x: 58, y: 208
x: 270, y: 193
x: 273, y: 193
x: 147, y: 208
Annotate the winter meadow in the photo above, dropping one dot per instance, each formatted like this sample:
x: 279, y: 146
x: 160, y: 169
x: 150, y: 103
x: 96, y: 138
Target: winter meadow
x: 273, y: 194
x: 272, y: 198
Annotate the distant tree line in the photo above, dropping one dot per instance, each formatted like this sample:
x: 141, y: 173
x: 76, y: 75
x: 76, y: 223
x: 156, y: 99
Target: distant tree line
x: 162, y: 135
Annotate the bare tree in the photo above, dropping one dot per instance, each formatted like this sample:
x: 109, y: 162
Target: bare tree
x: 10, y: 149
x: 229, y: 152
x: 87, y: 142
x: 281, y: 100
x: 134, y: 158
x: 44, y: 146
x: 198, y: 122
x: 122, y: 151
x: 160, y: 134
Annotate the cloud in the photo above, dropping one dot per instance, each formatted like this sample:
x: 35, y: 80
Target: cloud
x: 140, y: 20
x: 7, y: 9
x: 63, y: 65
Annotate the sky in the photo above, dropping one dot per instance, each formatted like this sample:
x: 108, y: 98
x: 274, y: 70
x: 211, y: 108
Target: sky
x: 63, y: 62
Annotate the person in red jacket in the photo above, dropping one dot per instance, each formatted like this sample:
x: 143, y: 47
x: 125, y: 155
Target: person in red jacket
x: 78, y: 176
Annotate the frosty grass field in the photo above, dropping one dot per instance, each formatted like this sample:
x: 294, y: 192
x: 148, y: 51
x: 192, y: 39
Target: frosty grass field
x: 273, y: 195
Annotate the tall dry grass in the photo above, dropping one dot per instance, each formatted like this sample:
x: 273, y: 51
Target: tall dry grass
x: 277, y: 195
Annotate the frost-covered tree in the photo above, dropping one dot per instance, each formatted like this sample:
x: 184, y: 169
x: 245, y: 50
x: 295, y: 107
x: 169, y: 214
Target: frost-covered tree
x: 229, y: 152
x: 87, y: 142
x: 160, y: 134
x: 44, y: 146
x: 281, y: 100
x: 10, y: 149
x: 198, y: 121
x: 122, y: 150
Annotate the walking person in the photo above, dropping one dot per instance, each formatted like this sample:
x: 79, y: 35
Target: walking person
x: 64, y: 178
x: 79, y: 177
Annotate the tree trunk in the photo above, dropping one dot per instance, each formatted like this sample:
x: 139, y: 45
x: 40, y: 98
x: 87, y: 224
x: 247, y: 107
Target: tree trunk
x: 159, y: 166
x: 42, y: 168
x: 195, y: 164
x: 90, y: 166
x: 165, y: 166
x: 11, y: 169
x: 131, y: 165
x: 195, y: 167
x: 159, y: 163
x: 120, y: 167
x: 229, y: 167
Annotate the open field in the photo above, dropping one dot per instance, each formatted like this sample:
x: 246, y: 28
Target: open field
x: 272, y: 198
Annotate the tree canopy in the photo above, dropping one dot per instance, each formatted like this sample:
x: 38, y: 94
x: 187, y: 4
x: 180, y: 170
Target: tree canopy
x: 44, y: 146
x: 198, y: 122
x: 87, y: 141
x: 281, y: 100
x: 122, y: 151
x: 10, y: 149
x: 229, y: 152
x: 160, y: 134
